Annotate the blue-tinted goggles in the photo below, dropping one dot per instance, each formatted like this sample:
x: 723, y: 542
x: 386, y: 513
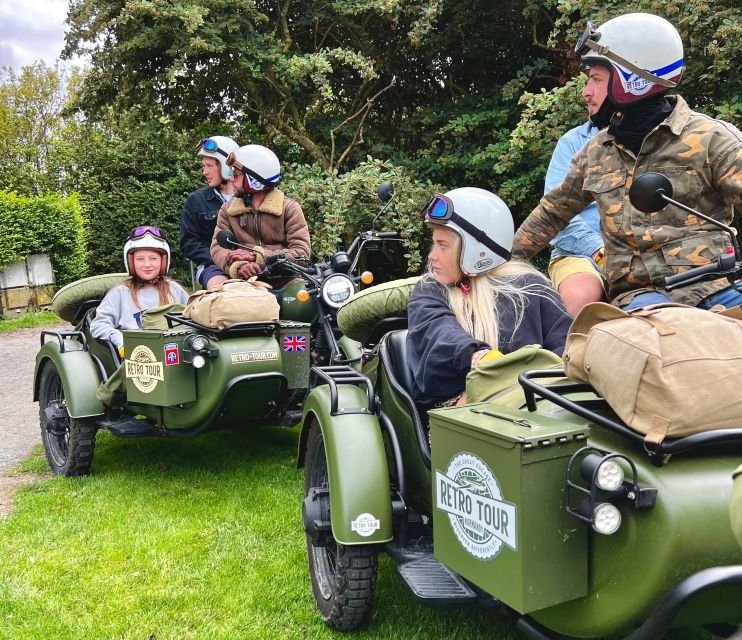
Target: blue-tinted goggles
x: 210, y: 145
x: 439, y: 210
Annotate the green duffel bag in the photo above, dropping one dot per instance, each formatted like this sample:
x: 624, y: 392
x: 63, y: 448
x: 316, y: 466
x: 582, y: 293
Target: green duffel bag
x: 358, y: 317
x: 735, y: 506
x: 69, y: 298
x: 496, y: 380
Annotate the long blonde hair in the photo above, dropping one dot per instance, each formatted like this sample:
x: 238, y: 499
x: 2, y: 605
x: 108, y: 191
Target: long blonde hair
x: 161, y: 283
x: 478, y: 311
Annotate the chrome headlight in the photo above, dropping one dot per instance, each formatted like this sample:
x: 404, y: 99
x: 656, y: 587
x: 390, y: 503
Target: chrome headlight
x: 336, y: 290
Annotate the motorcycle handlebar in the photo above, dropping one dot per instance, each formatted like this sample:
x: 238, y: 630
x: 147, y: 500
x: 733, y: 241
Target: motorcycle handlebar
x: 719, y: 268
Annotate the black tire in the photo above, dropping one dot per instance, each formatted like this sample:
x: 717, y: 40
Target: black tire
x: 68, y: 442
x: 343, y: 577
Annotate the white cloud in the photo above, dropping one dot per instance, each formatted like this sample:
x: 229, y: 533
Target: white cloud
x: 31, y: 30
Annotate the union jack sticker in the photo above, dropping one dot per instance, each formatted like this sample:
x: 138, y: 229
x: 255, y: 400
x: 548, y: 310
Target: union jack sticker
x: 295, y: 343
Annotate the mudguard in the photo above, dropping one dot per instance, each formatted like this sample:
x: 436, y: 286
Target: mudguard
x: 360, y: 502
x: 78, y: 373
x: 735, y: 507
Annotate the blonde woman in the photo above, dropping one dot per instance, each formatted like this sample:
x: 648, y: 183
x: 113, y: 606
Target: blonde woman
x: 473, y: 298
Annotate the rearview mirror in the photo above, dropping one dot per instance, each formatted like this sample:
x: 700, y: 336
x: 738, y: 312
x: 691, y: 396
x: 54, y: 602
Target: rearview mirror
x: 647, y: 191
x: 385, y: 191
x: 226, y: 239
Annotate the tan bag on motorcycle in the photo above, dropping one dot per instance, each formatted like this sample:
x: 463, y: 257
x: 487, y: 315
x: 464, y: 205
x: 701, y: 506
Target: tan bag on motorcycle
x: 667, y: 370
x: 232, y: 302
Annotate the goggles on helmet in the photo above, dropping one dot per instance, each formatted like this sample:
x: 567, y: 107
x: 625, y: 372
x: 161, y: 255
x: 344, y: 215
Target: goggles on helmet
x: 210, y: 145
x: 139, y: 232
x: 439, y: 210
x: 255, y: 180
x: 590, y: 33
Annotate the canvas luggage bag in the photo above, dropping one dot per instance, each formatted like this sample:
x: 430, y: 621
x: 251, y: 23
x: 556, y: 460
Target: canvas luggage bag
x: 666, y: 370
x: 232, y: 302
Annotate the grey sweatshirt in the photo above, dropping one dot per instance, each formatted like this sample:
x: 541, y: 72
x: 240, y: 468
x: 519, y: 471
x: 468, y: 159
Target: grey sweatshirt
x: 118, y: 312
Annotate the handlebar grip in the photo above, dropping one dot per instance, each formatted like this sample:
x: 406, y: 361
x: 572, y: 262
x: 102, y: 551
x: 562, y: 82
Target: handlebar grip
x: 694, y: 275
x: 388, y: 234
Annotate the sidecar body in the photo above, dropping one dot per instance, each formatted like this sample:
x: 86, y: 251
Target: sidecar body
x: 176, y: 381
x: 540, y: 502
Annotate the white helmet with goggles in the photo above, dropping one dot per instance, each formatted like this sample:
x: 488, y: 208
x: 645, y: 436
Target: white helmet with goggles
x: 481, y: 219
x: 218, y: 147
x: 643, y: 52
x: 259, y: 165
x: 146, y: 237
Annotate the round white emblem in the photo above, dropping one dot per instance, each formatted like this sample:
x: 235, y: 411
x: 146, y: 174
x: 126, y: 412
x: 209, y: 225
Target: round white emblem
x: 470, y: 495
x: 143, y: 369
x: 365, y: 524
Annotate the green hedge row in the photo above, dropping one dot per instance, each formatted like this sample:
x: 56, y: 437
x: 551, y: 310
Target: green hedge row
x: 52, y: 224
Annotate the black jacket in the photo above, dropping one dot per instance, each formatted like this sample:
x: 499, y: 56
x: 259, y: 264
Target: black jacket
x: 439, y: 350
x: 197, y: 224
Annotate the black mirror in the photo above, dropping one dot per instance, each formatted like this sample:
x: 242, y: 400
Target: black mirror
x: 385, y: 191
x: 226, y: 238
x: 647, y: 190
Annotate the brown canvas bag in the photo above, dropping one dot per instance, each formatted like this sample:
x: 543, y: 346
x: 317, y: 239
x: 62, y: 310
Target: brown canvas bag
x: 232, y: 302
x: 666, y: 370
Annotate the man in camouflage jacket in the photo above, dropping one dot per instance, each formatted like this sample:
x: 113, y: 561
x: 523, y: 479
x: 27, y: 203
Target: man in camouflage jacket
x: 701, y: 156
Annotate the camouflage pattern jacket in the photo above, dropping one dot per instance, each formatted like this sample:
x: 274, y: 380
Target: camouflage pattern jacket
x: 701, y: 156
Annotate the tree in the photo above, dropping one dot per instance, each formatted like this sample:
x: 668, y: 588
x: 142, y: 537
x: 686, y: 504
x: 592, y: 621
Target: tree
x: 31, y: 106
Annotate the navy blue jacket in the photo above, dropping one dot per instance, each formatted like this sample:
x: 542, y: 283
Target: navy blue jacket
x: 439, y: 350
x: 197, y: 224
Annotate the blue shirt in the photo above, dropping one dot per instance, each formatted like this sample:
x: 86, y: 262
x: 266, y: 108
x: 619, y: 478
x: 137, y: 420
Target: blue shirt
x: 581, y: 237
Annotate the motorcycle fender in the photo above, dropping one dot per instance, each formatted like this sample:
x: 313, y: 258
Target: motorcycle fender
x: 360, y: 503
x: 352, y: 351
x: 79, y: 377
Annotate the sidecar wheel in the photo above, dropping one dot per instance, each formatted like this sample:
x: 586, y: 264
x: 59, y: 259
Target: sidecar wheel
x: 68, y: 442
x: 343, y: 577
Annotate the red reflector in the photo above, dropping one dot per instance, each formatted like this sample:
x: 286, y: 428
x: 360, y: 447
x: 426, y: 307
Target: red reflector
x: 729, y: 251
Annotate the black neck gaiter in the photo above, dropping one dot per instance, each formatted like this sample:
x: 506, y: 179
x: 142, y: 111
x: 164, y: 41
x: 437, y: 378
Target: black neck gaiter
x: 630, y: 125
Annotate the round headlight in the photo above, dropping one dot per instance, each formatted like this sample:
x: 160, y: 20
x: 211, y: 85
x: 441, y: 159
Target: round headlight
x: 607, y: 518
x: 198, y: 361
x: 336, y: 290
x: 198, y: 343
x: 610, y: 475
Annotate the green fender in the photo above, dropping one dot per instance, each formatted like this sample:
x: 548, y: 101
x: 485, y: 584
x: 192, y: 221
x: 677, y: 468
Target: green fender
x: 352, y: 350
x: 356, y: 465
x: 735, y: 508
x: 79, y: 377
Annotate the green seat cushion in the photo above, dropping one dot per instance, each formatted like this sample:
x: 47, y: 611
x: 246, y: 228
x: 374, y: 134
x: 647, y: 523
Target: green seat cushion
x: 68, y: 299
x: 358, y: 316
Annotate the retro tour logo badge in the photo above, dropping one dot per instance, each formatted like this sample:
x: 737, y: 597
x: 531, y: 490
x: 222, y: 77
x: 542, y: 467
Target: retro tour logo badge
x: 481, y: 520
x: 365, y: 524
x: 172, y: 354
x: 143, y: 369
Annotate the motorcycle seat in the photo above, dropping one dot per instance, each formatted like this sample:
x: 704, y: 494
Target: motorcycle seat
x: 397, y: 349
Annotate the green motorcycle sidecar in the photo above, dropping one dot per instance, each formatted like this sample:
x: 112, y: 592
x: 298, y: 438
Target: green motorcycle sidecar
x: 177, y: 381
x: 540, y: 502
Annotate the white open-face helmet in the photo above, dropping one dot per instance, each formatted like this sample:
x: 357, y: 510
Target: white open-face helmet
x: 260, y: 166
x: 643, y: 52
x: 483, y: 222
x: 218, y: 147
x: 146, y: 237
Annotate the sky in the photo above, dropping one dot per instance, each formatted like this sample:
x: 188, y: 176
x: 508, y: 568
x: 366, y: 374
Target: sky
x: 31, y: 30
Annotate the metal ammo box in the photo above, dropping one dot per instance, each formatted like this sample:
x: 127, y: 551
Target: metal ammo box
x: 154, y: 368
x: 498, y: 502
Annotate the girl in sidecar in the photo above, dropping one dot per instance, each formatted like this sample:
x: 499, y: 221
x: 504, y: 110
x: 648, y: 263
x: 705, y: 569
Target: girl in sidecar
x: 147, y: 261
x: 474, y: 302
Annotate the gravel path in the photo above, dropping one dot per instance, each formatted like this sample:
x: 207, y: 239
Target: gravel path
x: 19, y: 414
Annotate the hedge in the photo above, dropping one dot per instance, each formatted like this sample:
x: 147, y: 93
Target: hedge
x: 51, y: 223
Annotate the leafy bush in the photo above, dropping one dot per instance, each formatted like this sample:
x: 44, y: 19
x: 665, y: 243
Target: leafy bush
x: 338, y: 206
x: 51, y: 224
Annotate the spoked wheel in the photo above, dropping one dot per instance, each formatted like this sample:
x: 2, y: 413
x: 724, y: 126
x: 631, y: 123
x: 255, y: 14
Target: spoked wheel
x: 343, y: 577
x: 68, y: 442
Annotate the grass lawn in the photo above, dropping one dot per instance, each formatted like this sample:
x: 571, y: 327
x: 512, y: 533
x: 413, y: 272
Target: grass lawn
x: 180, y: 539
x: 29, y: 320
